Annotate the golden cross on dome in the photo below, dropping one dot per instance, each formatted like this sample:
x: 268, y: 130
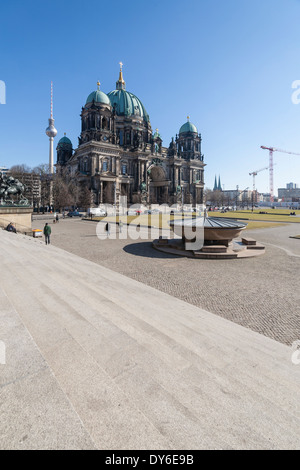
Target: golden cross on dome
x: 156, y: 130
x: 120, y: 83
x: 65, y: 133
x: 98, y: 85
x: 188, y: 118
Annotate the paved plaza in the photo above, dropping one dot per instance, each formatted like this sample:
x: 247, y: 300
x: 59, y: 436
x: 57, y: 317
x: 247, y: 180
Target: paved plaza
x: 259, y: 293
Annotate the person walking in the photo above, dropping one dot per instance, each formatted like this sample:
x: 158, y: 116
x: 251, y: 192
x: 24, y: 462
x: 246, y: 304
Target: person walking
x: 57, y: 218
x: 11, y: 228
x: 47, y: 233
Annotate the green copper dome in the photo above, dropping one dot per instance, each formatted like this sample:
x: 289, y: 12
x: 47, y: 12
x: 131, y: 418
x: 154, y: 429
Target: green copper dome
x: 188, y: 127
x: 64, y: 141
x: 127, y: 104
x: 99, y: 97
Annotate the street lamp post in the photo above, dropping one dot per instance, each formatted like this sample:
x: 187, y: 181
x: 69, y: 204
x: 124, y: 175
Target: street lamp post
x: 244, y: 197
x: 237, y: 193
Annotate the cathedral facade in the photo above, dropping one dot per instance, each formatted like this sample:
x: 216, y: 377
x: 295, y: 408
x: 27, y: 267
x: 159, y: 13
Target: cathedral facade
x: 119, y: 155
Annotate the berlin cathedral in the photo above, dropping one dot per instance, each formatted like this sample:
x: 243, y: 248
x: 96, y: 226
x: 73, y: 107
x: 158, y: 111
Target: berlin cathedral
x: 119, y: 155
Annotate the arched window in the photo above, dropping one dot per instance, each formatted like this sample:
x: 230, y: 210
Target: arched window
x: 104, y: 123
x: 98, y: 121
x: 124, y: 168
x: 121, y: 137
x: 104, y: 165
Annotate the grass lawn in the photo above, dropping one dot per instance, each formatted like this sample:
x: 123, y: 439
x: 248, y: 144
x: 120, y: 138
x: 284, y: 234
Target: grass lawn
x: 161, y: 220
x: 273, y: 215
x: 253, y: 225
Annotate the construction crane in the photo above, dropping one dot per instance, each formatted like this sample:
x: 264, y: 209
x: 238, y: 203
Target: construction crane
x: 271, y: 165
x: 254, y: 173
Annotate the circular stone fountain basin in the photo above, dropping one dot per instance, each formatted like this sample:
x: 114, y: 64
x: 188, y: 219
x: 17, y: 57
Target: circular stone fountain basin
x: 217, y: 229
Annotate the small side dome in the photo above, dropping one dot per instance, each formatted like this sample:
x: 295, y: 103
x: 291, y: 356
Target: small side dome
x: 64, y: 141
x: 98, y: 96
x: 188, y: 127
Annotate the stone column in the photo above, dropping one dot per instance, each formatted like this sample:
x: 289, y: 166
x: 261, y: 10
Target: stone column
x: 139, y: 174
x: 93, y: 157
x: 142, y: 172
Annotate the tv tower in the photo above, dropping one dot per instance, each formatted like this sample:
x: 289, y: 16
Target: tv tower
x: 51, y: 133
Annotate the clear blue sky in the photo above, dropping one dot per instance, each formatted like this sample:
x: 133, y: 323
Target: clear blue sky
x: 228, y: 64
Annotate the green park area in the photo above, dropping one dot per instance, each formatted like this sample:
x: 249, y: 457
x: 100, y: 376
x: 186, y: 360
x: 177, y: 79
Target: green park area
x: 267, y: 215
x: 255, y: 220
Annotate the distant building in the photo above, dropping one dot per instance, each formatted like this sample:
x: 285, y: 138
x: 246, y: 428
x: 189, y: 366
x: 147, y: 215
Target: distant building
x: 289, y: 194
x: 4, y: 170
x: 233, y: 197
x: 265, y: 197
x: 217, y: 186
x: 291, y: 186
x: 239, y: 195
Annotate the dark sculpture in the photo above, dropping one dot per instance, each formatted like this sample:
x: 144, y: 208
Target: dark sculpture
x: 11, y: 191
x: 144, y: 193
x: 172, y: 152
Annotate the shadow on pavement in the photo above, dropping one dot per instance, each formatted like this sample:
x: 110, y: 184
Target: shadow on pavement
x: 146, y: 250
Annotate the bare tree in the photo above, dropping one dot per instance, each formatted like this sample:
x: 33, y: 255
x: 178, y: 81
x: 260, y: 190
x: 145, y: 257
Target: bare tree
x: 20, y: 169
x: 62, y: 196
x: 85, y: 198
x: 46, y: 178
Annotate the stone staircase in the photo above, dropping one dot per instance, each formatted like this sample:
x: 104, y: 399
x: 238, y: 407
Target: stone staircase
x: 98, y: 360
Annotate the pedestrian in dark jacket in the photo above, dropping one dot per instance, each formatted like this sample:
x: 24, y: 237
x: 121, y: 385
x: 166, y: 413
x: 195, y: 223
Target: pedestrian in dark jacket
x: 11, y: 228
x: 47, y: 233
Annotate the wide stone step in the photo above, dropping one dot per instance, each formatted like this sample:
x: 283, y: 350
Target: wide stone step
x: 213, y: 249
x: 167, y: 359
x: 104, y: 276
x: 255, y: 438
x: 248, y: 241
x: 210, y: 358
x: 100, y: 403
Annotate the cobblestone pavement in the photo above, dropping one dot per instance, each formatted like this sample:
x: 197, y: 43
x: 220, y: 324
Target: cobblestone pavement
x: 260, y: 293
